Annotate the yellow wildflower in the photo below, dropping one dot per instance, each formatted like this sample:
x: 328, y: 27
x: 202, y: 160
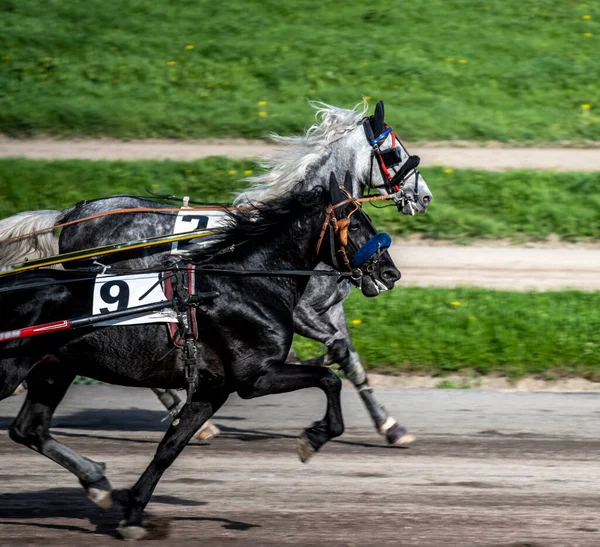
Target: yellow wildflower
x: 262, y: 113
x: 171, y: 63
x: 586, y: 106
x: 356, y: 321
x: 232, y: 172
x: 587, y: 34
x: 262, y: 103
x: 455, y: 303
x: 366, y: 97
x: 462, y: 61
x: 447, y: 171
x: 248, y: 172
x: 449, y: 59
x: 587, y: 17
x: 189, y: 46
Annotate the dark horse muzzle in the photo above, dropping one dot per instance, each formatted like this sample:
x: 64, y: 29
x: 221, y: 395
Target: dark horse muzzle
x: 373, y: 270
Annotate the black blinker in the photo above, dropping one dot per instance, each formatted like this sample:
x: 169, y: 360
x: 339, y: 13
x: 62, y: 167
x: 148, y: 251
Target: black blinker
x: 391, y: 157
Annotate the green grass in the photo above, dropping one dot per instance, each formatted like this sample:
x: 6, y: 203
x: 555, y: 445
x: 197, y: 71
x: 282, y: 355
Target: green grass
x: 441, y: 331
x: 447, y: 69
x: 522, y: 205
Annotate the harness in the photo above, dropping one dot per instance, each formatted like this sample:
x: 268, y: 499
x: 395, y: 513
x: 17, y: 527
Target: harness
x: 339, y: 227
x: 390, y: 158
x: 180, y: 286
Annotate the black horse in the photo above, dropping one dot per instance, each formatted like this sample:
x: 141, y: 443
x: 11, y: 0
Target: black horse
x: 244, y: 335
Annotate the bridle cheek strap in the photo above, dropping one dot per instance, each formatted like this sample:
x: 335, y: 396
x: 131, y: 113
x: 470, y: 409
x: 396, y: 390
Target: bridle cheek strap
x: 378, y: 242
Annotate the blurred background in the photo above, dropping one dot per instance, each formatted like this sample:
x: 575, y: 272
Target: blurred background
x: 499, y: 98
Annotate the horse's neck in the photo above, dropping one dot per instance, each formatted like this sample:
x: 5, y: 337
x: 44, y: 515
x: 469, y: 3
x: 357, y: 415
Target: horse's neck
x: 293, y: 247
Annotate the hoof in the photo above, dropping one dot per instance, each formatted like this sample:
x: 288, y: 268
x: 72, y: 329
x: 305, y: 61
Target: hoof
x: 132, y: 533
x: 397, y: 435
x: 303, y: 448
x: 99, y: 491
x: 404, y: 440
x: 207, y: 431
x: 19, y: 390
x: 102, y: 498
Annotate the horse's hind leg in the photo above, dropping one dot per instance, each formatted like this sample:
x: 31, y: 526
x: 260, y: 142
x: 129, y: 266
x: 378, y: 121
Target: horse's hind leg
x: 12, y: 373
x: 47, y: 384
x: 180, y: 432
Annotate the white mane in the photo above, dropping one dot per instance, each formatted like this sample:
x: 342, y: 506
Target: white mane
x: 289, y: 167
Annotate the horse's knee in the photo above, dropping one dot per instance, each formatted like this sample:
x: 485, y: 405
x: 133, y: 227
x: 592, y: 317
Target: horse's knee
x: 332, y: 383
x: 337, y: 352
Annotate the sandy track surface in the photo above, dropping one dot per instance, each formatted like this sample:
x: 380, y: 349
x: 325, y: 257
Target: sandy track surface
x: 467, y: 156
x: 488, y: 468
x: 504, y: 268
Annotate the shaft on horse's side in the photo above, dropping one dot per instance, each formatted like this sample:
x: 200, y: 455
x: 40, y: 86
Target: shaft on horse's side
x: 104, y: 250
x: 70, y: 324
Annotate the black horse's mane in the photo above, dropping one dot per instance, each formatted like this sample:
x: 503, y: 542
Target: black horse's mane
x: 263, y: 220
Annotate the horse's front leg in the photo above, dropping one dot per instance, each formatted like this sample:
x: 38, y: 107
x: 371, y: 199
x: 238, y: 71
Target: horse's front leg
x: 343, y: 352
x: 328, y: 325
x: 283, y: 378
x: 181, y: 430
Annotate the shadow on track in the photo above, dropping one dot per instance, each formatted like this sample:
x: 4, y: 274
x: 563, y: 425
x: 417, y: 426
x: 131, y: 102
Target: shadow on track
x: 20, y: 509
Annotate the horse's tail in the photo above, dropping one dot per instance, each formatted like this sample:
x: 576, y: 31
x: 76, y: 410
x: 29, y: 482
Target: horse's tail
x: 28, y: 248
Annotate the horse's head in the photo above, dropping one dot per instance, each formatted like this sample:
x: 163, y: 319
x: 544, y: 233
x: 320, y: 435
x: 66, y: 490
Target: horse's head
x: 391, y: 170
x: 349, y: 241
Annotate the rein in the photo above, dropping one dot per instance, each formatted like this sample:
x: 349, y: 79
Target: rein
x: 168, y: 210
x: 137, y: 244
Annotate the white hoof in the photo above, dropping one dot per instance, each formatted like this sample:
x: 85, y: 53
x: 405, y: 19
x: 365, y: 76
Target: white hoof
x: 101, y: 498
x: 303, y: 448
x: 131, y: 533
x: 207, y: 431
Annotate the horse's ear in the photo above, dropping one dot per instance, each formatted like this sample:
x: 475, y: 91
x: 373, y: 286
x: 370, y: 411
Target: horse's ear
x: 348, y: 183
x: 378, y: 124
x: 335, y: 193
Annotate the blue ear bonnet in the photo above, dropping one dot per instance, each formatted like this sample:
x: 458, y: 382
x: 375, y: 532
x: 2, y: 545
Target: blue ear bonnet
x: 380, y: 241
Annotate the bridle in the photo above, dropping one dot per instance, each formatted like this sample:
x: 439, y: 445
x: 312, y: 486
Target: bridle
x: 393, y: 184
x: 338, y: 229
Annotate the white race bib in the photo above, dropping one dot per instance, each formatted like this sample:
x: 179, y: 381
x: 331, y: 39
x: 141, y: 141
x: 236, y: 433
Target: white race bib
x: 121, y: 292
x: 189, y: 220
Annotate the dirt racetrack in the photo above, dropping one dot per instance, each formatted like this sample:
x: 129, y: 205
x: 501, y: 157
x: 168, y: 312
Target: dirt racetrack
x: 488, y: 468
x: 461, y: 155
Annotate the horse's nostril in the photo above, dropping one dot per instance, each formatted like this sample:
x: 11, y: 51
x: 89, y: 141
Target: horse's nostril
x: 426, y: 198
x: 390, y: 275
